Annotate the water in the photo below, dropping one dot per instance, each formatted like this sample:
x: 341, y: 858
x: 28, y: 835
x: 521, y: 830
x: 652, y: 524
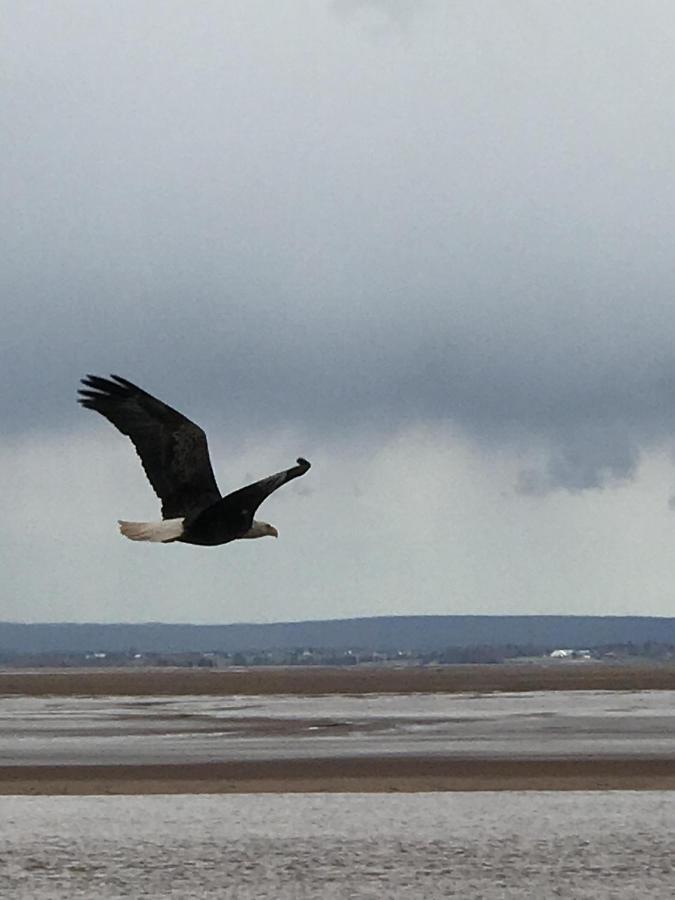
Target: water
x: 489, y: 846
x: 90, y: 730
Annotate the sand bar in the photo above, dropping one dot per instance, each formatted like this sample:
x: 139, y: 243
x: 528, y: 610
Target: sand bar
x: 344, y: 776
x: 313, y: 680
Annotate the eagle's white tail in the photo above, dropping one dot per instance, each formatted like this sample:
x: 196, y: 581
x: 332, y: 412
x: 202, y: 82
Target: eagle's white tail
x: 158, y: 532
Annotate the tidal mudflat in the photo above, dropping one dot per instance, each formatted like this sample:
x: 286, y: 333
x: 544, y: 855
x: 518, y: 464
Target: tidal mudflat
x: 386, y: 741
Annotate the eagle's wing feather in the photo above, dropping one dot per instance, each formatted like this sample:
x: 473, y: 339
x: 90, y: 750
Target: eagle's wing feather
x: 173, y: 450
x: 250, y: 497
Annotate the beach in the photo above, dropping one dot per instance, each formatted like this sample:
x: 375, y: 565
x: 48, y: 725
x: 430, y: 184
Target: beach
x: 464, y: 728
x: 311, y: 680
x: 373, y: 775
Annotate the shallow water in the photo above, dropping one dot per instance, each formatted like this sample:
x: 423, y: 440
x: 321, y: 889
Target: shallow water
x: 529, y: 846
x: 109, y: 730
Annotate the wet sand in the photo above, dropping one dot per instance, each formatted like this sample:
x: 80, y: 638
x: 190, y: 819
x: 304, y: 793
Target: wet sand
x: 313, y: 680
x: 377, y: 772
x: 345, y: 775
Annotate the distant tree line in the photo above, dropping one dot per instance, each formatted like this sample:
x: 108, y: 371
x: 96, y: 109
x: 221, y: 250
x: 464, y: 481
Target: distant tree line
x: 326, y: 656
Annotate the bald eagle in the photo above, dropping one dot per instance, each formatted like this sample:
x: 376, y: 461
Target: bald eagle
x: 175, y: 456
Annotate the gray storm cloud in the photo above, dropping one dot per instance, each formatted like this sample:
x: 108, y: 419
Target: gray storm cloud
x: 269, y: 218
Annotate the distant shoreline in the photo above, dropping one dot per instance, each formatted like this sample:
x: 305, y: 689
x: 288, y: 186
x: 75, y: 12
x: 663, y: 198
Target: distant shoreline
x: 314, y: 680
x: 346, y: 775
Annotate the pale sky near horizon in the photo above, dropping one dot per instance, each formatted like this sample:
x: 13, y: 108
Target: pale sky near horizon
x: 427, y: 244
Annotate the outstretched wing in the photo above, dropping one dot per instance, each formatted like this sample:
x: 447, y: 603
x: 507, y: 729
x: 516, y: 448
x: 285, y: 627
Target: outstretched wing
x: 172, y: 449
x: 250, y: 497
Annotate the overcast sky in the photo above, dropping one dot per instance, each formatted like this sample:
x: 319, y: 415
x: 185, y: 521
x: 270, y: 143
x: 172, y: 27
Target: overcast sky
x: 427, y: 244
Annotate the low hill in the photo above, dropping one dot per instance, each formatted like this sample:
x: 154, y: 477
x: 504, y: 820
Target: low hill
x: 385, y: 633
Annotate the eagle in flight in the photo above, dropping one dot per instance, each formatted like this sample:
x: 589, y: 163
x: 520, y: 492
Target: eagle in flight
x: 175, y: 456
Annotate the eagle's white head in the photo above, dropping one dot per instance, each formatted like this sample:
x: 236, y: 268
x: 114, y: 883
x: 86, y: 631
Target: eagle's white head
x: 261, y: 529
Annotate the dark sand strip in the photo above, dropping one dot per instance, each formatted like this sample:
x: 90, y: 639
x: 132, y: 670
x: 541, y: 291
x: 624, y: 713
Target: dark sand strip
x: 390, y: 774
x: 345, y: 680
